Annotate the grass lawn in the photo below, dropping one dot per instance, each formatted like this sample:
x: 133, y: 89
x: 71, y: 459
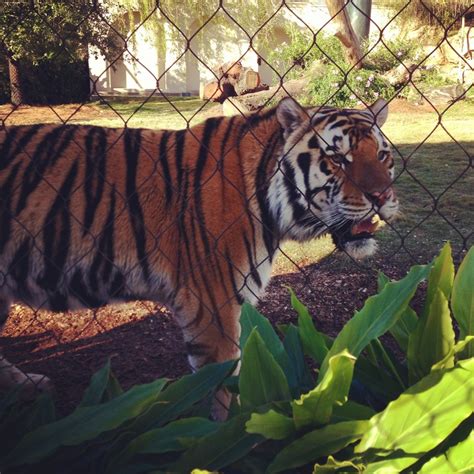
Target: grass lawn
x: 154, y: 113
x: 434, y: 156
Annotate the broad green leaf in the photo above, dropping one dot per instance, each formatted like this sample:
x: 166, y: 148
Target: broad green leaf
x: 98, y: 387
x: 21, y: 418
x: 458, y: 347
x: 318, y: 443
x: 181, y: 395
x: 459, y: 458
x: 250, y: 318
x: 113, y: 388
x: 316, y: 406
x: 441, y: 277
x: 378, y: 315
x: 84, y: 424
x: 375, y: 380
x: 432, y: 340
x: 333, y: 465
x: 220, y: 448
x: 386, y: 359
x: 382, y: 280
x: 261, y: 378
x: 271, y: 425
x: 298, y: 375
x: 402, y: 329
x: 351, y: 411
x: 420, y: 418
x: 313, y: 341
x: 41, y: 413
x: 462, y: 300
x: 176, y: 436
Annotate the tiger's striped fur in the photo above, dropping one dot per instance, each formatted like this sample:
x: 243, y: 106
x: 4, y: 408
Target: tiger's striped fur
x: 191, y: 218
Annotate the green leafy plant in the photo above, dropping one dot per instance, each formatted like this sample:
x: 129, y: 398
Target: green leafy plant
x: 340, y: 89
x: 354, y: 408
x: 390, y: 53
x: 302, y: 49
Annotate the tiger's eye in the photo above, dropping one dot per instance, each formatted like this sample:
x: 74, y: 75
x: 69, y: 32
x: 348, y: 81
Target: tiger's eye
x: 382, y: 155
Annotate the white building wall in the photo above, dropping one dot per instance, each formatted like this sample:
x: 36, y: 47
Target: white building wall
x: 181, y: 71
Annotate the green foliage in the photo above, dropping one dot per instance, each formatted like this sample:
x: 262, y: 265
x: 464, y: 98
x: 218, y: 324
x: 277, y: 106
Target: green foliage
x: 302, y: 49
x: 348, y: 89
x: 50, y: 42
x: 261, y: 378
x: 53, y: 28
x: 390, y: 53
x: 459, y: 458
x: 438, y: 13
x: 420, y: 418
x: 368, y: 411
x: 462, y: 300
x: 316, y: 406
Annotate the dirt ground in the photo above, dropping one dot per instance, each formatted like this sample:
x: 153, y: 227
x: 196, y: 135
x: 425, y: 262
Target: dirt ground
x: 143, y: 341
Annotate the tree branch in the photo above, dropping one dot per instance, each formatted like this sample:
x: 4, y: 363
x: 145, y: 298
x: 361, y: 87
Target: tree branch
x: 346, y: 33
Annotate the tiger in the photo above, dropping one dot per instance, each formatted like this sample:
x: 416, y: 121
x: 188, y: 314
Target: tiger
x: 190, y: 218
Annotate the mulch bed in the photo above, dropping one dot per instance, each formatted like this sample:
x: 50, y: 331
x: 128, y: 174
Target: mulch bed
x: 143, y: 341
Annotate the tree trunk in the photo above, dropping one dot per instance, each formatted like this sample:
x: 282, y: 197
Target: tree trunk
x: 17, y: 93
x: 359, y: 14
x: 346, y: 33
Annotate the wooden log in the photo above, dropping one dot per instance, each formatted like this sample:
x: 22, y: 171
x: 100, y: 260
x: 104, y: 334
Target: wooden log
x: 230, y: 72
x: 217, y: 92
x: 249, y: 80
x: 346, y: 33
x: 256, y: 101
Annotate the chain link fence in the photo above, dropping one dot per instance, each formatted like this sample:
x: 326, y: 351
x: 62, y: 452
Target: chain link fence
x: 426, y: 80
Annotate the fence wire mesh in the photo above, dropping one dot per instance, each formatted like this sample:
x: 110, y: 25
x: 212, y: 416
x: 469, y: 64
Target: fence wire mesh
x: 178, y: 47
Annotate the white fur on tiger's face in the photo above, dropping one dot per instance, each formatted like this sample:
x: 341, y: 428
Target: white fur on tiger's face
x: 191, y: 218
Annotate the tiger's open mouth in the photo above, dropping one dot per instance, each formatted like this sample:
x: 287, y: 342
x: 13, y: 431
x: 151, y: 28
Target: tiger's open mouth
x: 357, y: 238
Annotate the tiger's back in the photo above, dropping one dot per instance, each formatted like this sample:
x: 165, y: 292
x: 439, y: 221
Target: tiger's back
x: 92, y: 214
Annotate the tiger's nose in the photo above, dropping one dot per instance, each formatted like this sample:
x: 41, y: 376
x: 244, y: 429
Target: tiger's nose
x: 380, y: 198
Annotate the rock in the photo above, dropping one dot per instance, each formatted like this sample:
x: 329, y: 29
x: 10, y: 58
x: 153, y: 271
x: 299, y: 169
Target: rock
x: 234, y: 106
x: 402, y: 74
x: 437, y: 95
x: 445, y: 94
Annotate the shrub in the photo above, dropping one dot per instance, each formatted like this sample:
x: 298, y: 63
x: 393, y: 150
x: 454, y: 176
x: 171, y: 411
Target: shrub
x: 388, y: 54
x: 336, y: 86
x: 364, y: 409
x: 56, y: 81
x: 302, y: 50
x: 340, y: 89
x: 439, y: 13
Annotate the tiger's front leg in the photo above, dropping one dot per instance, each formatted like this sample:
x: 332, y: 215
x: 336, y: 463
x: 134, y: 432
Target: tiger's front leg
x: 211, y: 334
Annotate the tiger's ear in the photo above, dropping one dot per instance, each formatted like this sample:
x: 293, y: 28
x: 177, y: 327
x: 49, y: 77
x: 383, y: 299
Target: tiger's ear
x: 290, y: 114
x: 379, y: 111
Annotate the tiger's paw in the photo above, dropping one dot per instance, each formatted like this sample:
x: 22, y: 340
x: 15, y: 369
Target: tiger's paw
x: 30, y: 385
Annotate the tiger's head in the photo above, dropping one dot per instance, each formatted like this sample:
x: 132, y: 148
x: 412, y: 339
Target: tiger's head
x: 334, y: 175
